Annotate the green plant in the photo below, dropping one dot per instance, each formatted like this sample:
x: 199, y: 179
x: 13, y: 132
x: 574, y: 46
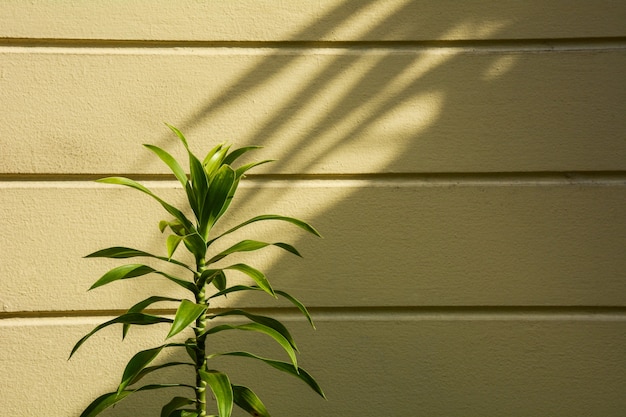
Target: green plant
x: 210, y: 188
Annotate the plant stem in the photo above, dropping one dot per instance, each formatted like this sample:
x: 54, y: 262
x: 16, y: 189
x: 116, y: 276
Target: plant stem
x: 201, y: 324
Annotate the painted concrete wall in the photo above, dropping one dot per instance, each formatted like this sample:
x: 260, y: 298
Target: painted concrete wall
x: 465, y: 163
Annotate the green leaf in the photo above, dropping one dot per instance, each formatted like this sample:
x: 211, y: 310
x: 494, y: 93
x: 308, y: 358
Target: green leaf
x: 220, y: 280
x: 215, y: 159
x: 122, y: 272
x: 245, y: 168
x: 248, y: 401
x: 179, y: 134
x: 256, y: 275
x: 260, y: 328
x: 199, y: 185
x: 120, y: 252
x: 264, y: 320
x: 293, y: 300
x: 301, y: 224
x: 172, y: 243
x: 136, y: 364
x: 196, y: 245
x: 220, y: 385
x: 149, y: 369
x: 170, y: 209
x: 107, y: 400
x: 172, y: 163
x: 251, y: 245
x: 174, y: 405
x: 137, y: 270
x: 234, y: 155
x: 140, y: 306
x: 286, y: 367
x: 186, y: 413
x: 219, y: 190
x: 186, y: 314
x: 128, y: 318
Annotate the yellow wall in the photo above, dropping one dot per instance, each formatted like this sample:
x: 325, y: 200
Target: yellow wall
x: 465, y: 162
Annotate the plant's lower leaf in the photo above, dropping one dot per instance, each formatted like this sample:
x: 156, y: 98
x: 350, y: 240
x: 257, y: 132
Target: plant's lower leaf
x: 186, y: 314
x: 220, y: 385
x: 248, y: 401
x: 260, y: 328
x: 128, y: 318
x: 264, y: 320
x: 256, y: 275
x: 251, y: 245
x: 174, y: 405
x: 107, y: 400
x: 286, y: 367
x: 140, y: 306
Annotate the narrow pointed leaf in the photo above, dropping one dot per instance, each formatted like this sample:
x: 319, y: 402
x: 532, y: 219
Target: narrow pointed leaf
x: 220, y: 385
x: 245, y: 168
x: 219, y: 190
x: 196, y: 245
x: 293, y: 300
x: 122, y: 272
x: 301, y: 224
x: 128, y: 318
x: 133, y: 184
x: 179, y: 134
x: 264, y: 320
x: 214, y: 161
x: 174, y: 405
x: 107, y: 400
x: 137, y: 270
x: 251, y: 245
x: 140, y: 306
x: 298, y: 304
x: 172, y: 163
x: 149, y: 369
x: 256, y: 275
x: 248, y: 401
x: 186, y: 314
x: 172, y: 243
x: 120, y: 252
x: 237, y: 153
x: 186, y: 413
x: 220, y: 280
x: 286, y: 367
x: 260, y: 328
x: 136, y: 364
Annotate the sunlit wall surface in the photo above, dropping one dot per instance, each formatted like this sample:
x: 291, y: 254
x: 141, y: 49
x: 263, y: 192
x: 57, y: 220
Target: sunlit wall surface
x: 465, y: 162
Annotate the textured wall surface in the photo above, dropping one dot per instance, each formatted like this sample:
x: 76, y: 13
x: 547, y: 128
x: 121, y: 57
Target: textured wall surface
x: 465, y: 162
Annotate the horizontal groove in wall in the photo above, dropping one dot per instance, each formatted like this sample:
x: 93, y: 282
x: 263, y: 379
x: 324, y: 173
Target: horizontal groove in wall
x: 437, y: 313
x: 139, y: 46
x: 416, y: 179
